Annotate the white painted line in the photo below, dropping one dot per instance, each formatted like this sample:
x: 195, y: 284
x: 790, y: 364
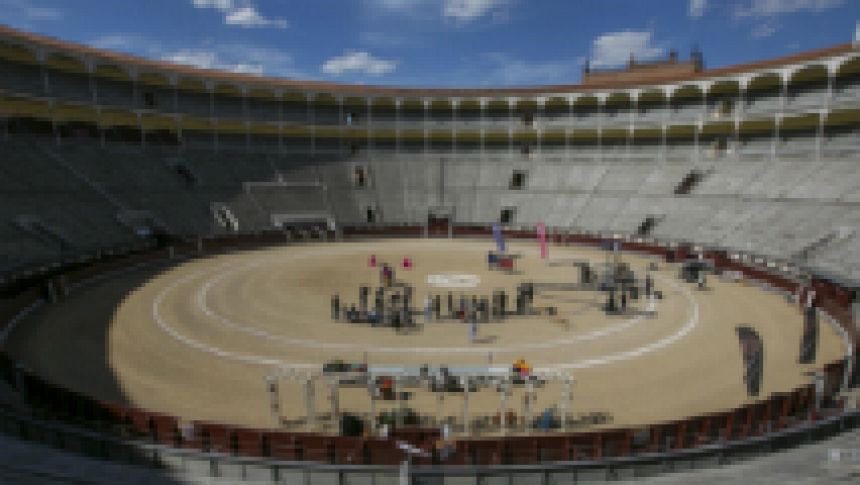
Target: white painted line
x: 270, y: 362
x: 257, y: 332
x: 692, y: 322
x: 211, y: 349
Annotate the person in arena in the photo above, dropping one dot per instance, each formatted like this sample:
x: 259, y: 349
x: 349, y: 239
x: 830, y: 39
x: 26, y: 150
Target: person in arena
x: 335, y: 307
x: 428, y: 308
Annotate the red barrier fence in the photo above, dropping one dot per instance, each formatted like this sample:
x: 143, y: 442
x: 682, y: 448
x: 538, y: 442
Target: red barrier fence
x: 777, y: 412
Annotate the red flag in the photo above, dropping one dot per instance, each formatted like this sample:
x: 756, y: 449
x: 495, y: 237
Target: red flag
x: 541, y: 232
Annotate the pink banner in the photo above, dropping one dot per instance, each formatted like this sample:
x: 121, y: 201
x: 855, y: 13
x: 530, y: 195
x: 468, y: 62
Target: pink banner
x: 541, y: 233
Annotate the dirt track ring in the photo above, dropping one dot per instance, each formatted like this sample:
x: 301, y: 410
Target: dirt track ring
x: 202, y: 304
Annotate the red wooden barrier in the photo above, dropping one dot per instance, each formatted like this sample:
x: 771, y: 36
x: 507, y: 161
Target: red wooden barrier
x: 487, y: 452
x: 249, y: 441
x: 778, y: 411
x: 283, y: 446
x: 214, y: 437
x: 521, y: 450
x: 384, y: 452
x: 348, y: 450
x: 554, y: 448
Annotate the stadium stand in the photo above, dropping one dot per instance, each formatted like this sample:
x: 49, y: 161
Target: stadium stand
x: 102, y: 151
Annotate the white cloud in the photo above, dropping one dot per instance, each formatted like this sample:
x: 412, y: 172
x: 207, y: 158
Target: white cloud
x: 358, y: 61
x: 219, y: 4
x: 242, y: 13
x: 210, y: 60
x: 762, y: 31
x: 399, y: 4
x: 112, y: 41
x: 250, y: 17
x: 239, y: 58
x: 127, y: 42
x: 469, y: 10
x: 459, y: 12
x: 226, y: 56
x: 613, y: 49
x: 25, y: 10
x: 771, y: 8
x: 697, y: 8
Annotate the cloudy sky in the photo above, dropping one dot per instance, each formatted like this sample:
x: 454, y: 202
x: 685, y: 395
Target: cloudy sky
x: 438, y: 42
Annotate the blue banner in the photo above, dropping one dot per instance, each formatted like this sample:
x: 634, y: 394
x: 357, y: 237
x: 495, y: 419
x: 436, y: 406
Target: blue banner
x: 500, y: 241
x: 614, y: 246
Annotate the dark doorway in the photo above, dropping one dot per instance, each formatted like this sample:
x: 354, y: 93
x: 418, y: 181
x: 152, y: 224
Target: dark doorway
x: 438, y: 225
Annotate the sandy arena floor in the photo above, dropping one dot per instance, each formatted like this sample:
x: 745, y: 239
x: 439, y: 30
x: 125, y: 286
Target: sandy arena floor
x: 197, y: 339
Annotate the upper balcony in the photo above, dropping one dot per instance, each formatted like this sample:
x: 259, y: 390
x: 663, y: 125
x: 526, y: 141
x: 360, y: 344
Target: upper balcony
x: 61, y: 73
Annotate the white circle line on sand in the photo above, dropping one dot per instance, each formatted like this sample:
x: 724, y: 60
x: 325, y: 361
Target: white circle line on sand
x: 269, y: 362
x: 692, y: 322
x: 453, y: 280
x: 195, y: 344
x: 202, y: 304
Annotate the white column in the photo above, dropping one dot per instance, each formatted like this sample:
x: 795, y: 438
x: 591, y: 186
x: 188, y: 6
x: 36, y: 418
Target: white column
x: 667, y: 107
x: 439, y: 400
x: 274, y: 398
x: 601, y: 99
x: 311, y: 116
x: 566, y: 397
x: 371, y: 389
x: 94, y: 97
x: 309, y: 404
x: 777, y: 123
x: 510, y: 128
x: 697, y: 156
x: 503, y: 418
x: 819, y: 137
x: 401, y: 404
x: 424, y: 126
x: 369, y: 126
x: 634, y: 113
x: 783, y: 91
x: 334, y: 399
x: 397, y: 126
x: 663, y: 143
x: 279, y: 94
x: 464, y: 381
x: 527, y: 412
x: 403, y: 478
x: 455, y: 104
x: 628, y: 143
x: 832, y: 70
x: 210, y: 87
x: 568, y: 127
x: 43, y: 72
x: 539, y: 126
x: 341, y: 121
x: 819, y: 391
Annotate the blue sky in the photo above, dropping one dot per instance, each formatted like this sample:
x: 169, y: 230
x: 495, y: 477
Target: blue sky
x: 438, y: 42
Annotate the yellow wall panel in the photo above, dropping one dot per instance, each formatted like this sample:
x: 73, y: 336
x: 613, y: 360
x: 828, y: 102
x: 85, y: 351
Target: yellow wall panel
x: 17, y: 53
x: 155, y: 122
x: 111, y: 117
x: 75, y: 113
x: 25, y: 107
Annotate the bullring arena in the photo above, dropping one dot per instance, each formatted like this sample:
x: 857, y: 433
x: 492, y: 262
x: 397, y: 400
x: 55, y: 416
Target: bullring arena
x: 223, y: 277
x: 208, y: 331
